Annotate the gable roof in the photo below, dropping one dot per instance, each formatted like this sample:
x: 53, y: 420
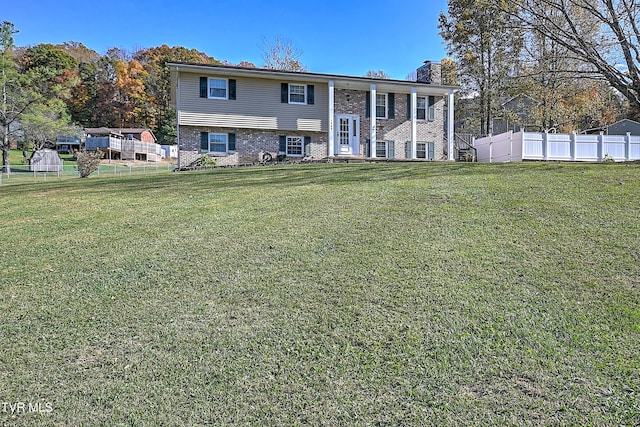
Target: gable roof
x: 520, y: 95
x: 340, y: 81
x: 626, y: 122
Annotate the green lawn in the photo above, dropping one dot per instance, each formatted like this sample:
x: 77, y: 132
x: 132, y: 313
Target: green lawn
x: 370, y: 294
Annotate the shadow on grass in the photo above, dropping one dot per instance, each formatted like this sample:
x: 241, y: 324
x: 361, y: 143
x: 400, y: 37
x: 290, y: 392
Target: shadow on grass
x: 296, y: 175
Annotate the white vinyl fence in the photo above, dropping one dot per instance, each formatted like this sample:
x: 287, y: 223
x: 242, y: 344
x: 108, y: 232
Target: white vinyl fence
x: 515, y: 147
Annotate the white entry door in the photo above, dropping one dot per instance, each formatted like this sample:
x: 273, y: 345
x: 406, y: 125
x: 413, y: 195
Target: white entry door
x: 347, y: 134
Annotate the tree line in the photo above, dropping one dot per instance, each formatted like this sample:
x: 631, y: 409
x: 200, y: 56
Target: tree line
x: 51, y: 89
x: 576, y: 61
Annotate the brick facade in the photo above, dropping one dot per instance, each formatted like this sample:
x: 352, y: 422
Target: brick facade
x: 430, y: 72
x: 251, y: 144
x: 397, y: 129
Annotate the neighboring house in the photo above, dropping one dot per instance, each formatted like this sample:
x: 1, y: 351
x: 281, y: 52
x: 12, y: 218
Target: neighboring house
x: 517, y: 115
x: 240, y: 115
x: 623, y: 127
x: 139, y: 134
x: 68, y: 144
x: 124, y: 143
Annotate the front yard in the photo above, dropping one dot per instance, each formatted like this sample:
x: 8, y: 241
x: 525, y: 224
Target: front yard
x: 369, y: 294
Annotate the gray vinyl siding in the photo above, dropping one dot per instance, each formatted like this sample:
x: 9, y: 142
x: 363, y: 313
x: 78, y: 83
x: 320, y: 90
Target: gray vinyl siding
x: 257, y: 106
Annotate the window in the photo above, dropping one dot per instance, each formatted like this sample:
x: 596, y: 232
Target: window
x: 382, y: 149
x: 297, y: 94
x: 294, y: 93
x: 425, y: 108
x: 425, y: 150
x: 218, y: 88
x: 431, y: 108
x: 218, y: 143
x: 381, y: 105
x: 295, y: 146
x: 422, y: 108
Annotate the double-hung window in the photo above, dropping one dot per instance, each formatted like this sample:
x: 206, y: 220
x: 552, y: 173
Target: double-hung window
x: 297, y: 94
x: 218, y: 143
x: 218, y: 88
x: 422, y: 108
x: 426, y: 108
x: 215, y: 88
x: 381, y: 105
x: 380, y: 149
x: 425, y: 150
x: 295, y: 146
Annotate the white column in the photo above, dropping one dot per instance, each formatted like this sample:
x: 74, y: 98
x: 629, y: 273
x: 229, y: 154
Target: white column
x: 414, y: 123
x: 373, y: 128
x: 450, y: 123
x: 178, y: 115
x: 332, y: 130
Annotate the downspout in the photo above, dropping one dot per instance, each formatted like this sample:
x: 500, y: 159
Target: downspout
x: 178, y: 113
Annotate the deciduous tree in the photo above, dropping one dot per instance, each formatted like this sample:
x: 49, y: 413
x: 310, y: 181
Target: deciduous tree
x: 16, y: 96
x: 379, y: 74
x: 602, y: 33
x: 486, y: 48
x: 130, y: 94
x: 157, y: 84
x: 281, y: 55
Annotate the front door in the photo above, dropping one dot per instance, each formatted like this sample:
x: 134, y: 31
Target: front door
x: 347, y: 134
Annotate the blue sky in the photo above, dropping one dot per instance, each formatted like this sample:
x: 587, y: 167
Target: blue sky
x: 342, y: 37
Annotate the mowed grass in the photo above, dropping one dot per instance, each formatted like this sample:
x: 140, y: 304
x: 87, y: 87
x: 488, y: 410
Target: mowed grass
x: 371, y: 294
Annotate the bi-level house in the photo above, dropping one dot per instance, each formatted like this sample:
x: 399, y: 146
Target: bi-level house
x: 244, y: 115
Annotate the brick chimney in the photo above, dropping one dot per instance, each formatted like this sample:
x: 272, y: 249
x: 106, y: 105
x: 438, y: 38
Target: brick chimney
x: 430, y: 72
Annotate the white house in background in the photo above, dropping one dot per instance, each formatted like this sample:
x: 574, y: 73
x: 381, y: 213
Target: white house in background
x: 242, y: 115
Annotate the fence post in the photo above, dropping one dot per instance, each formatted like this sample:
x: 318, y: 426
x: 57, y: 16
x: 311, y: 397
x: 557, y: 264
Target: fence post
x: 510, y: 146
x: 490, y: 148
x: 627, y: 147
x: 545, y: 139
x: 600, y: 146
x: 572, y: 146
